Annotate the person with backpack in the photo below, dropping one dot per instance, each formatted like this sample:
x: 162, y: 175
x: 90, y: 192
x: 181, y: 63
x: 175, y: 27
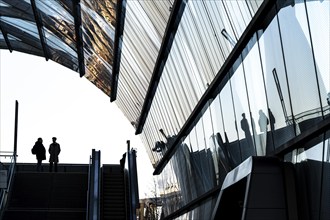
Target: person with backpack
x: 40, y: 152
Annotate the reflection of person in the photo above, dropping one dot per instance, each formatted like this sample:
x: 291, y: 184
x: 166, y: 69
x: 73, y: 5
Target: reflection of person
x: 245, y: 126
x: 250, y: 146
x: 263, y: 121
x: 271, y: 119
x: 54, y: 150
x: 40, y: 152
x: 328, y: 98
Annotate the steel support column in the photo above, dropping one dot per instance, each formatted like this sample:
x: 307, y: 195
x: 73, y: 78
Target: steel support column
x: 79, y: 38
x: 120, y: 21
x: 40, y: 29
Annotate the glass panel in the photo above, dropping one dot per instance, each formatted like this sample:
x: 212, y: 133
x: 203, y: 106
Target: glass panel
x: 300, y: 67
x: 308, y: 165
x: 319, y: 21
x: 28, y: 27
x: 258, y: 103
x: 325, y: 194
x: 212, y: 149
x: 218, y: 141
x: 231, y: 135
x: 98, y: 37
x: 58, y: 21
x: 171, y: 187
x: 245, y: 124
x: 203, y: 211
x: 276, y: 84
x: 203, y: 161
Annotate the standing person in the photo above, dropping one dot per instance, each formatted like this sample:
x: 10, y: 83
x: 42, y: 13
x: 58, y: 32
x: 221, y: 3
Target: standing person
x: 54, y: 150
x: 263, y: 121
x: 272, y: 120
x: 40, y: 152
x: 250, y: 146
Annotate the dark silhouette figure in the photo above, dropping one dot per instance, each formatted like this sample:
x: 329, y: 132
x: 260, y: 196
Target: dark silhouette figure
x: 263, y: 121
x: 54, y: 150
x: 40, y: 152
x: 328, y: 98
x: 122, y: 161
x: 271, y: 119
x: 246, y: 128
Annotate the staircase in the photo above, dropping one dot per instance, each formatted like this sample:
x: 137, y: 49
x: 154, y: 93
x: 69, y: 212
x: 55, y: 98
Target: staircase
x: 47, y: 196
x: 113, y: 193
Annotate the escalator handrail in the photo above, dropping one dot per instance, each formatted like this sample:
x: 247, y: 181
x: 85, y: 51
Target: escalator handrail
x: 10, y: 174
x: 93, y: 197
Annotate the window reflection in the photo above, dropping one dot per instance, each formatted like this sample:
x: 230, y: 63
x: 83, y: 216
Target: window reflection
x: 258, y: 106
x: 300, y: 68
x: 262, y: 104
x: 319, y: 23
x: 307, y: 162
x: 279, y: 106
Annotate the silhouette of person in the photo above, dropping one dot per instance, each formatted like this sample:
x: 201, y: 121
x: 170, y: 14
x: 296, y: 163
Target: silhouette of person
x: 271, y: 119
x: 263, y: 121
x: 122, y: 161
x: 246, y: 128
x: 54, y: 150
x: 40, y: 152
x: 328, y: 98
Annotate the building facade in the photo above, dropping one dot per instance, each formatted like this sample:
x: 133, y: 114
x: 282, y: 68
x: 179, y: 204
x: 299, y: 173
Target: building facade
x: 251, y: 78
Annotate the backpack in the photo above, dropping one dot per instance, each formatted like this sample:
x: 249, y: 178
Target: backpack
x: 34, y: 150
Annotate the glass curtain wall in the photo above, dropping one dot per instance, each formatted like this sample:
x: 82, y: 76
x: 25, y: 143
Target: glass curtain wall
x: 207, y: 33
x: 276, y: 90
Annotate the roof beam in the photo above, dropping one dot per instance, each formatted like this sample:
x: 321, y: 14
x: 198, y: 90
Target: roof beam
x: 258, y: 22
x: 40, y: 29
x: 5, y: 35
x: 79, y: 38
x: 120, y: 17
x: 172, y: 26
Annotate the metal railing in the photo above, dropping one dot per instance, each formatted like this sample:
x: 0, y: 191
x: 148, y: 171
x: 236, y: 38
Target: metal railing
x: 93, y: 192
x: 8, y: 171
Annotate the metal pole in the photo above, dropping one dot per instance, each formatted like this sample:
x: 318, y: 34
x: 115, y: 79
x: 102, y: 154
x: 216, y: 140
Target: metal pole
x: 16, y: 128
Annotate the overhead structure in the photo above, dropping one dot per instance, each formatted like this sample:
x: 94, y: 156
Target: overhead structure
x: 78, y: 34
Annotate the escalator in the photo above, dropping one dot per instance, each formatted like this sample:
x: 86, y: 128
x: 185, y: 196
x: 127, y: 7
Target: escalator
x: 114, y: 193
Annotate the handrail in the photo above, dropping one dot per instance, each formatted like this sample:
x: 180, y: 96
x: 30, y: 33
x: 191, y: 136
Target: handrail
x: 93, y: 205
x: 132, y: 182
x: 10, y: 174
x: 88, y: 186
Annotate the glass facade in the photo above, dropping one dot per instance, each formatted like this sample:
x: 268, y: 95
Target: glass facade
x: 276, y: 91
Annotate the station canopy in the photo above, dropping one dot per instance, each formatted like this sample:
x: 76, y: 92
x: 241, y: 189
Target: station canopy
x: 87, y: 36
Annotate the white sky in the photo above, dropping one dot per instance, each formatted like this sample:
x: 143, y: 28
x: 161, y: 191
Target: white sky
x: 55, y: 101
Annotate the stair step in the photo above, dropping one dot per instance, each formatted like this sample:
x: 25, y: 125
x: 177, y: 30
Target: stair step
x: 47, y: 196
x: 113, y: 193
